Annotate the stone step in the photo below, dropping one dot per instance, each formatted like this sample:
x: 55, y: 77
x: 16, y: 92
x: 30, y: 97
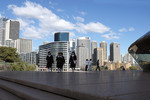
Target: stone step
x: 29, y: 93
x: 5, y: 95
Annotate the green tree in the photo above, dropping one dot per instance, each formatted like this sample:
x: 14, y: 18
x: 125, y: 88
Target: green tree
x: 9, y: 54
x: 21, y: 66
x: 133, y: 68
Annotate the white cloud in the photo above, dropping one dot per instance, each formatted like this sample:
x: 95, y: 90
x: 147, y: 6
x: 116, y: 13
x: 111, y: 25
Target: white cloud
x: 60, y: 10
x: 126, y: 30
x: 79, y: 19
x: 0, y: 16
x: 82, y: 13
x: 131, y: 29
x: 123, y: 30
x: 111, y: 36
x: 92, y: 27
x: 38, y: 22
x: 46, y: 20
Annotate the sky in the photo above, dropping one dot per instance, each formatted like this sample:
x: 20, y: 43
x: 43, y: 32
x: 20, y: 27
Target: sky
x: 121, y: 21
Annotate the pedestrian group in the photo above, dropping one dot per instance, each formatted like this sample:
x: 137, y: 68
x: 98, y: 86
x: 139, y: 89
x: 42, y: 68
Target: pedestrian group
x: 72, y: 61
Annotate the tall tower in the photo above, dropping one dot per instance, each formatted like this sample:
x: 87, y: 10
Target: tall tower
x: 93, y: 46
x: 99, y: 55
x: 83, y: 50
x: 2, y: 30
x: 61, y: 36
x: 12, y: 29
x: 114, y: 52
x: 103, y: 45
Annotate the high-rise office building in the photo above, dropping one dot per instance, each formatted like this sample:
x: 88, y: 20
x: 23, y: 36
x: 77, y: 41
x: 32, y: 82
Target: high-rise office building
x: 83, y: 43
x: 2, y: 30
x: 93, y: 55
x: 31, y: 58
x: 82, y: 55
x: 99, y: 55
x: 114, y: 52
x: 128, y: 58
x: 23, y: 45
x: 12, y: 29
x: 103, y: 45
x: 72, y: 45
x: 54, y: 48
x: 10, y: 43
x: 61, y: 36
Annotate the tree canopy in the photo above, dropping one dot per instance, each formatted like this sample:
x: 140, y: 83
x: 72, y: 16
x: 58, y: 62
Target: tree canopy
x: 9, y: 54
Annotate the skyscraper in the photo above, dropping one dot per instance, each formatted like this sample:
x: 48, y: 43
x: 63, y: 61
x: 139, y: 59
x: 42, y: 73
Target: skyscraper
x: 93, y: 46
x: 114, y: 52
x: 23, y: 45
x: 83, y: 45
x: 99, y: 55
x: 12, y: 29
x: 103, y: 45
x: 2, y: 30
x: 61, y: 36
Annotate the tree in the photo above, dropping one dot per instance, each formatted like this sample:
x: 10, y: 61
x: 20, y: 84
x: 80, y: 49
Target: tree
x: 9, y: 54
x: 133, y: 67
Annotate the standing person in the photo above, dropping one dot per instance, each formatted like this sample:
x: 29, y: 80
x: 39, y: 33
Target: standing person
x: 73, y: 61
x: 97, y: 65
x: 60, y: 61
x: 90, y: 64
x: 50, y: 60
x: 86, y: 64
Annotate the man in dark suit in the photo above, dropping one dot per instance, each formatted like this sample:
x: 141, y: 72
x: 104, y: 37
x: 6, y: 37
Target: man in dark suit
x: 50, y: 60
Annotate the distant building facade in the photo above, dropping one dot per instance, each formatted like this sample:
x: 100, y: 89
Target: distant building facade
x: 83, y: 45
x: 93, y: 55
x: 72, y: 45
x: 23, y: 45
x: 31, y: 58
x: 3, y: 30
x: 61, y: 36
x: 54, y: 48
x: 12, y: 29
x: 114, y: 52
x: 99, y: 55
x: 10, y: 43
x: 103, y: 45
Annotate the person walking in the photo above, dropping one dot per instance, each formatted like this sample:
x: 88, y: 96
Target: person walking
x: 60, y: 61
x: 73, y: 61
x: 97, y: 65
x: 86, y: 64
x: 90, y: 64
x: 50, y: 60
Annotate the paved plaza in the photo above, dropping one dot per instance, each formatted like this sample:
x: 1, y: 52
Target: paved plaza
x: 104, y: 85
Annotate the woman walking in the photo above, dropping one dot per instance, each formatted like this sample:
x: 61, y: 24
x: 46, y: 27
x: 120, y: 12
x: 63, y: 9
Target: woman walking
x: 50, y: 60
x: 60, y: 61
x: 98, y: 66
x: 73, y: 61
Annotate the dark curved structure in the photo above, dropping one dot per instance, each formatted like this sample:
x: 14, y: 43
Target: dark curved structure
x: 140, y: 51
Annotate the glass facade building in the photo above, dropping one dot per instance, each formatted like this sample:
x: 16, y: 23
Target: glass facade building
x: 61, y: 36
x: 54, y: 48
x: 140, y: 51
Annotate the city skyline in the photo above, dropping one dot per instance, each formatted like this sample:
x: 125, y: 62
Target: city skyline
x: 110, y: 21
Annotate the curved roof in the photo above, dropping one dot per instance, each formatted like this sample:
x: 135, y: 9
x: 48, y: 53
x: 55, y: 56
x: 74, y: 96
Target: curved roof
x: 142, y: 44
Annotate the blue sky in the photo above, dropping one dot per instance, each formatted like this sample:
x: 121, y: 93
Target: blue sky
x: 122, y: 21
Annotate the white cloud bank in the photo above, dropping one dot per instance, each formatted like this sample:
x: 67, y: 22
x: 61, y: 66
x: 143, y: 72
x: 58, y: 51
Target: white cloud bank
x: 38, y: 22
